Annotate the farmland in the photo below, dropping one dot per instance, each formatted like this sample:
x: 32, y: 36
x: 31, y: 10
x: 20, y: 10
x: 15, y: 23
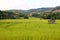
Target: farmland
x: 29, y: 29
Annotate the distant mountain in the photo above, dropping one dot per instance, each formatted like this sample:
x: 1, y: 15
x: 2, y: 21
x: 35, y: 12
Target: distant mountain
x: 32, y: 10
x: 40, y: 10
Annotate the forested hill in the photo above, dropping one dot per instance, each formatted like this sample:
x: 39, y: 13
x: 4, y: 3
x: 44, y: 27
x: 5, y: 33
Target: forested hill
x: 31, y: 10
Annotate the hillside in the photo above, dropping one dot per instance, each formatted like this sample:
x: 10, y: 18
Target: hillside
x: 56, y: 9
x: 31, y: 10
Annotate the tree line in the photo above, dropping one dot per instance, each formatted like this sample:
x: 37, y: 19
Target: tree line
x: 47, y: 15
x: 11, y: 15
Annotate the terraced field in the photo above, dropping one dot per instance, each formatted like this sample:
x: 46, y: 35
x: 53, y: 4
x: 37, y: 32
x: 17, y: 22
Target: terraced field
x: 29, y: 29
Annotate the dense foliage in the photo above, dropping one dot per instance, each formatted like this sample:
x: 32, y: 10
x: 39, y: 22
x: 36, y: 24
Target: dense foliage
x: 11, y: 15
x: 47, y: 15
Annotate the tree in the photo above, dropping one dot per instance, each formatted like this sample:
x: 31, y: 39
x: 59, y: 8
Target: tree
x: 51, y: 18
x: 26, y: 16
x: 1, y: 15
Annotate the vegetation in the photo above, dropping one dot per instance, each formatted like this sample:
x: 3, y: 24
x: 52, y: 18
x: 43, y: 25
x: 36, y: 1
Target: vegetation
x: 7, y: 15
x: 16, y: 25
x: 29, y: 29
x: 26, y: 16
x: 10, y: 15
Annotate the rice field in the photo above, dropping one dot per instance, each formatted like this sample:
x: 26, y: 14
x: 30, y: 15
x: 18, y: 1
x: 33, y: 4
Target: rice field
x: 29, y: 29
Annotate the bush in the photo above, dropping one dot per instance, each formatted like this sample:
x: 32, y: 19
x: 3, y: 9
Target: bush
x: 26, y: 17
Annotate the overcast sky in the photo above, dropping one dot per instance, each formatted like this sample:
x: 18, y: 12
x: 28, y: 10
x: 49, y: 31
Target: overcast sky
x: 27, y: 4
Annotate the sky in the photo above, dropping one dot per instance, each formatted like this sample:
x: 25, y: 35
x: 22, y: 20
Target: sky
x: 27, y: 4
